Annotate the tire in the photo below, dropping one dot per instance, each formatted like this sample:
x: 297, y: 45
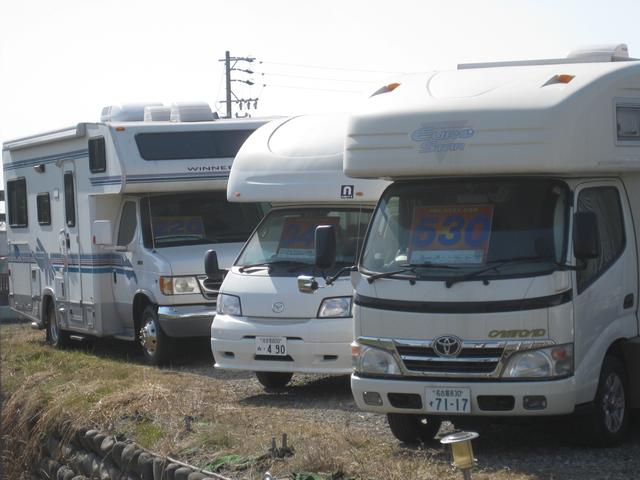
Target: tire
x: 413, y: 429
x: 274, y: 379
x: 608, y: 425
x: 56, y: 337
x: 157, y: 348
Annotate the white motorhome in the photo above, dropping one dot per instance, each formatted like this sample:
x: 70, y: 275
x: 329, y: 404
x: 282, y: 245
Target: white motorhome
x: 263, y: 322
x: 108, y: 224
x: 499, y: 276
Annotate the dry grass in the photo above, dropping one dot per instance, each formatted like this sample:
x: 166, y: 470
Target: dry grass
x: 42, y: 387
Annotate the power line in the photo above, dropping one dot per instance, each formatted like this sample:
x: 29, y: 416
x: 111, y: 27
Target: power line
x: 311, y: 88
x: 300, y: 65
x: 319, y: 78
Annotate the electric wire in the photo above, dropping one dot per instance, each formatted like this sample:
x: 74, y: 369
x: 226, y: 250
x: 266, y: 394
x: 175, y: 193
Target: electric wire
x: 318, y: 78
x: 312, y: 88
x: 300, y: 65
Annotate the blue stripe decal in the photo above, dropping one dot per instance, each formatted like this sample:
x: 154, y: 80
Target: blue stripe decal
x: 30, y: 162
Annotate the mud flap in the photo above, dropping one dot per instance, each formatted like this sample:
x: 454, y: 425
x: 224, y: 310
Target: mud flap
x: 631, y: 351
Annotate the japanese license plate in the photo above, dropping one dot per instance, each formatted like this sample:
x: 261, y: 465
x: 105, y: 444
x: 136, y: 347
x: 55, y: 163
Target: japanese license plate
x: 271, y: 346
x: 448, y: 399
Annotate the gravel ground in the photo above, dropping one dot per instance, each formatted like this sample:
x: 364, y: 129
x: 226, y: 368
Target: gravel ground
x: 542, y: 449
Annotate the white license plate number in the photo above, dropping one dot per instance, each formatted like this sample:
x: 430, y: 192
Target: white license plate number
x: 447, y: 399
x: 273, y: 346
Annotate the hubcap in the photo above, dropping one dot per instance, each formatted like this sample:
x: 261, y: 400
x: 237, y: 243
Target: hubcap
x: 148, y: 337
x: 613, y: 403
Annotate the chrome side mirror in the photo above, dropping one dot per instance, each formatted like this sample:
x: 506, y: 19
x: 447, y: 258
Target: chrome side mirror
x: 307, y: 284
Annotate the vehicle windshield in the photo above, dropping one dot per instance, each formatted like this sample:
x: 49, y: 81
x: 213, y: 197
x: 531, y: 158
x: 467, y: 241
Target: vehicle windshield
x: 198, y: 218
x: 449, y: 228
x: 287, y: 236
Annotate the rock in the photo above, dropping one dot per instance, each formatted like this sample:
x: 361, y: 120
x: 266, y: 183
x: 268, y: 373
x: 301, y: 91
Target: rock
x: 196, y: 476
x: 106, y: 447
x: 145, y: 466
x: 182, y: 473
x: 169, y: 472
x: 52, y: 447
x: 87, y: 439
x: 130, y: 456
x: 79, y: 477
x: 116, y: 453
x: 97, y: 442
x: 159, y: 465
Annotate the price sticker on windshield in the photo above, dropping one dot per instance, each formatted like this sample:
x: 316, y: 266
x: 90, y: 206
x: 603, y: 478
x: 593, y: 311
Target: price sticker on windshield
x: 298, y: 236
x: 450, y: 234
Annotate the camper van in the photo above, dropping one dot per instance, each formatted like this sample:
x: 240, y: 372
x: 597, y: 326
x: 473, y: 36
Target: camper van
x: 499, y: 275
x: 108, y: 223
x: 263, y: 322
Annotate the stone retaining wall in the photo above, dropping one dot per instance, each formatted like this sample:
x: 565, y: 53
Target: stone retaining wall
x: 93, y: 455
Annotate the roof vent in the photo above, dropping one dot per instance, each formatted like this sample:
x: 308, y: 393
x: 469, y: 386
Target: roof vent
x: 601, y: 53
x: 192, y: 112
x: 126, y: 112
x: 157, y: 113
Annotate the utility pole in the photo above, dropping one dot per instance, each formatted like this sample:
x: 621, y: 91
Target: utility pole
x: 230, y: 66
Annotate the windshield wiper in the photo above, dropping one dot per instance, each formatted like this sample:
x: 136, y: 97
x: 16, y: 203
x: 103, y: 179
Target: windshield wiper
x: 269, y: 264
x: 408, y: 267
x: 497, y: 264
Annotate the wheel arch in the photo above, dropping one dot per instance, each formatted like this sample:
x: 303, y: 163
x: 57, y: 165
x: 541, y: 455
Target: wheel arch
x: 140, y: 300
x: 48, y: 297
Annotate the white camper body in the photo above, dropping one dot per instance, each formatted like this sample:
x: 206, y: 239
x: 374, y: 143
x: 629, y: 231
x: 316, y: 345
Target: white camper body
x: 264, y: 323
x: 108, y: 224
x: 475, y: 294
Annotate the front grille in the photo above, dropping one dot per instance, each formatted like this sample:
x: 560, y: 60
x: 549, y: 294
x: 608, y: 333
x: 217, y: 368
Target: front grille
x: 209, y: 286
x: 476, y: 360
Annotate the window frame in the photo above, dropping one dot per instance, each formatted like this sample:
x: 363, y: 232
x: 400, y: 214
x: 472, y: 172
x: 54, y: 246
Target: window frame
x: 582, y: 287
x: 122, y: 216
x: 38, y: 210
x: 11, y: 206
x: 100, y: 147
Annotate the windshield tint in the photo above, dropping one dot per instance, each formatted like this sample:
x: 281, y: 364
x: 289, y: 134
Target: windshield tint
x: 289, y: 235
x: 199, y: 218
x: 468, y: 224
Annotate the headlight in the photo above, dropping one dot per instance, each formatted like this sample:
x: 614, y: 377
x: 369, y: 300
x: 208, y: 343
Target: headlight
x: 178, y: 285
x: 556, y: 361
x: 228, y: 305
x: 373, y: 360
x: 335, y: 307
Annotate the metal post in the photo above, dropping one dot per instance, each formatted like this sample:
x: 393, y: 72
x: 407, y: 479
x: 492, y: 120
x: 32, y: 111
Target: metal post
x: 227, y: 66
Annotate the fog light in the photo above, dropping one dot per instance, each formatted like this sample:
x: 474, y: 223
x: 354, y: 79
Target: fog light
x: 372, y: 398
x: 534, y: 402
x: 461, y: 450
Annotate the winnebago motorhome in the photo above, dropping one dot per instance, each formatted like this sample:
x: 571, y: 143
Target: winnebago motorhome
x: 499, y: 276
x: 264, y: 323
x: 109, y: 222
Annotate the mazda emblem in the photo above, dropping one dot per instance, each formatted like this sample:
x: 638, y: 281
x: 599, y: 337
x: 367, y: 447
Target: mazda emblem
x: 277, y: 307
x: 447, y: 346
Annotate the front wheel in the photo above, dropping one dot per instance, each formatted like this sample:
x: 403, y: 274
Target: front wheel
x: 274, y: 379
x: 55, y: 335
x: 412, y: 429
x: 608, y: 425
x: 156, y: 346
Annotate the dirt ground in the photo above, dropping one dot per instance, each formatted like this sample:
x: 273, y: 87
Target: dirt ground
x: 229, y: 413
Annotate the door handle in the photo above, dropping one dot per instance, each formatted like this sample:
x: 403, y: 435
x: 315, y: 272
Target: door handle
x: 139, y: 262
x: 115, y: 279
x: 628, y: 301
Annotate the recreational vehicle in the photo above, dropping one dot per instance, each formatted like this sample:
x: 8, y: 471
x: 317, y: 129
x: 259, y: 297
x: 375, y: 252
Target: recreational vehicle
x: 108, y: 224
x: 499, y: 276
x: 263, y: 322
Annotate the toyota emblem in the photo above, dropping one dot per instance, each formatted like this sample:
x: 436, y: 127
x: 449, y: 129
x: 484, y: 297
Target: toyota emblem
x: 277, y: 307
x: 447, y: 346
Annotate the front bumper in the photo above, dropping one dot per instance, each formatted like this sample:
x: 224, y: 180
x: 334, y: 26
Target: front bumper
x: 560, y: 395
x: 317, y: 345
x: 186, y: 320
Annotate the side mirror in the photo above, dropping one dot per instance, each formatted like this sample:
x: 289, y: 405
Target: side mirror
x: 586, y: 236
x: 102, y: 233
x: 325, y: 246
x: 307, y: 284
x: 211, y: 267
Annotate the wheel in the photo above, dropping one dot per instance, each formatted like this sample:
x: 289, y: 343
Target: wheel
x: 55, y: 335
x: 608, y: 425
x: 274, y: 379
x: 156, y: 346
x: 409, y: 428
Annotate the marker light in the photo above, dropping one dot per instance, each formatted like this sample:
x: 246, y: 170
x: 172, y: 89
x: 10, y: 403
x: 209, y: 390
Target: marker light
x: 564, y: 78
x: 386, y: 89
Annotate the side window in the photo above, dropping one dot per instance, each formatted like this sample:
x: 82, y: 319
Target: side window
x: 128, y: 223
x: 17, y: 199
x: 97, y: 155
x: 69, y: 200
x: 605, y: 203
x: 43, y: 208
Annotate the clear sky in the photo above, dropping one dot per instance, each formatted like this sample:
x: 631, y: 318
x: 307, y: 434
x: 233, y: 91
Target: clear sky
x: 61, y: 61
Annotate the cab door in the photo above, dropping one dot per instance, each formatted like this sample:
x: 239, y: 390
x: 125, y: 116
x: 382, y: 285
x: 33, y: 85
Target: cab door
x: 605, y: 290
x: 127, y: 261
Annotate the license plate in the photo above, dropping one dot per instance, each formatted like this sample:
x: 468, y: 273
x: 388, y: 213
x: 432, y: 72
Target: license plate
x: 271, y: 346
x: 447, y: 399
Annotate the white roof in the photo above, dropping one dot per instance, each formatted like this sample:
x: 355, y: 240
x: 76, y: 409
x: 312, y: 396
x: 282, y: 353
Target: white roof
x: 497, y: 120
x: 295, y: 160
